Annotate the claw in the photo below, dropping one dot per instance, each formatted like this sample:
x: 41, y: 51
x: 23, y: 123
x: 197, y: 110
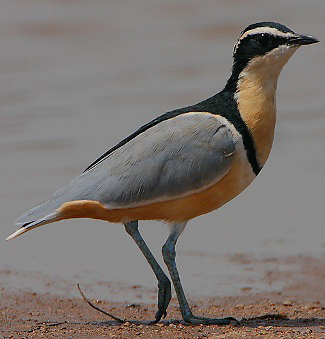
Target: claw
x: 164, y: 296
x: 159, y: 315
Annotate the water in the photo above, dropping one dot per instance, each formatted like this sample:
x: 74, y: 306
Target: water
x: 78, y: 76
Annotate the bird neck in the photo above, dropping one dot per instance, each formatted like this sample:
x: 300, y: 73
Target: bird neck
x: 255, y: 96
x: 254, y: 86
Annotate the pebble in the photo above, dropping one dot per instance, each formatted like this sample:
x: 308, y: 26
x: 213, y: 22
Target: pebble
x: 132, y: 305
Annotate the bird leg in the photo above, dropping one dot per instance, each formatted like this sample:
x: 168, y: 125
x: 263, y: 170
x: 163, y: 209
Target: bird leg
x: 164, y: 285
x: 169, y: 255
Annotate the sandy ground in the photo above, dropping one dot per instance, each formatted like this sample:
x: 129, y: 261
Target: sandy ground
x: 297, y: 311
x: 31, y: 315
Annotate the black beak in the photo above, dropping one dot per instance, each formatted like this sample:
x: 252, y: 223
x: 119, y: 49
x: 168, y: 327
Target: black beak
x: 303, y: 40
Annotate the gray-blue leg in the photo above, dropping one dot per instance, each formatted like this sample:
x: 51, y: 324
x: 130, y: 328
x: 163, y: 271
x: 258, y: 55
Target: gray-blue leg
x: 169, y: 255
x: 164, y: 286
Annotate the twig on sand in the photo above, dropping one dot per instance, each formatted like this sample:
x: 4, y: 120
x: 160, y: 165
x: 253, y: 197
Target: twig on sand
x: 99, y: 309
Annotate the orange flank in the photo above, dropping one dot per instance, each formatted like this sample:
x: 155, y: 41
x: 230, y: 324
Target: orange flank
x: 175, y: 210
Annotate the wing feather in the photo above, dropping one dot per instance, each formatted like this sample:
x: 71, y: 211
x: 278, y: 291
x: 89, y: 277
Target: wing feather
x: 174, y: 158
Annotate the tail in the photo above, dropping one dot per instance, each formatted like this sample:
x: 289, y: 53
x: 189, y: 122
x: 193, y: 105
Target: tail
x: 48, y: 211
x: 52, y: 217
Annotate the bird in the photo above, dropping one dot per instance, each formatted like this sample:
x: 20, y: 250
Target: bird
x: 186, y: 162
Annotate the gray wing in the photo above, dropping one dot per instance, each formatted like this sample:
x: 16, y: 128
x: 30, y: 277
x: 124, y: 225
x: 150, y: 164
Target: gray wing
x: 173, y: 158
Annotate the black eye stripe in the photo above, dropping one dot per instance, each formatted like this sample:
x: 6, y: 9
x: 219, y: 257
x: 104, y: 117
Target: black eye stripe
x: 269, y: 37
x: 263, y: 39
x: 257, y: 44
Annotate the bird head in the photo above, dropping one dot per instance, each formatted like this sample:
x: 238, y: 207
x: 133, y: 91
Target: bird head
x: 265, y: 47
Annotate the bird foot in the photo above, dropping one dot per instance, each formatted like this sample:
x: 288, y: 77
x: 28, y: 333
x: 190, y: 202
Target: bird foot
x: 192, y: 319
x: 164, y: 296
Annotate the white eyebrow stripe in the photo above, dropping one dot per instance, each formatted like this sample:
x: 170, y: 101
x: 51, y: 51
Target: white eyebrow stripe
x: 268, y: 30
x: 259, y: 30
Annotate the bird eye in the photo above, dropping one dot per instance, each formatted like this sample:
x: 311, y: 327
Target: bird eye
x: 263, y: 39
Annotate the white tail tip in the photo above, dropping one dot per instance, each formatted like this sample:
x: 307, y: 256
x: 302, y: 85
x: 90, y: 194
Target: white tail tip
x: 46, y: 220
x: 17, y: 233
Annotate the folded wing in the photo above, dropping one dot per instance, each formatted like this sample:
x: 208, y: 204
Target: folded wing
x: 173, y: 158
